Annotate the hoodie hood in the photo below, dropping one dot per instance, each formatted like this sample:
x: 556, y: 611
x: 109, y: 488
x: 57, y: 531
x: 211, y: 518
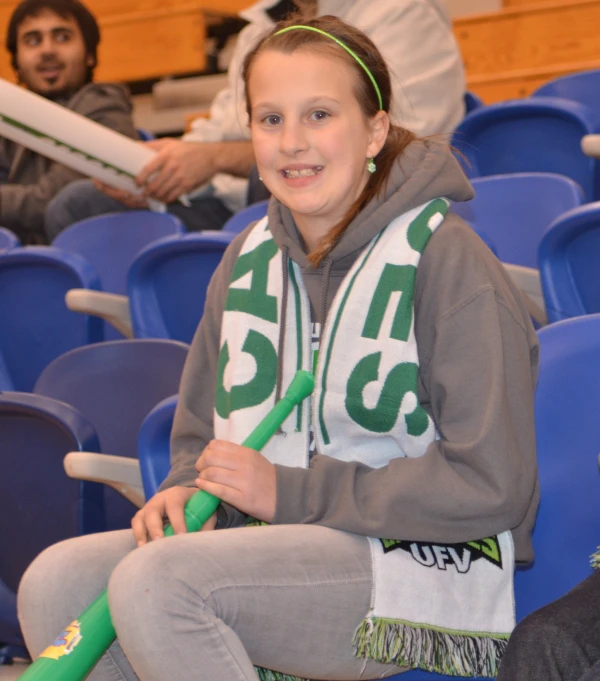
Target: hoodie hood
x: 426, y: 170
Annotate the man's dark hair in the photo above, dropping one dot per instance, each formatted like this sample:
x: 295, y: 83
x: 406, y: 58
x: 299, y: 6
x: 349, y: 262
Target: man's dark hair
x: 65, y: 9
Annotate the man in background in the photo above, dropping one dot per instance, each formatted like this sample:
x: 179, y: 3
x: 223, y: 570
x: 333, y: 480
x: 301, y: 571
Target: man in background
x: 53, y: 46
x: 213, y: 161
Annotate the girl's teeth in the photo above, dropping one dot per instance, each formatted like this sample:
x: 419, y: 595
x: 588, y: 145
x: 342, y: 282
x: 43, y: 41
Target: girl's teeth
x: 305, y: 172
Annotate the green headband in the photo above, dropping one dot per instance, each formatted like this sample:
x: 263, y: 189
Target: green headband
x: 341, y: 44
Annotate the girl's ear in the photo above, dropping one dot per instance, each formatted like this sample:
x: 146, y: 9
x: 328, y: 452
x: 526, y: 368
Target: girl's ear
x: 379, y: 125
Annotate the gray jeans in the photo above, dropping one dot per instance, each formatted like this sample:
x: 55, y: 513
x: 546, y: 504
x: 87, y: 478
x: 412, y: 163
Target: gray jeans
x: 210, y: 605
x: 80, y: 200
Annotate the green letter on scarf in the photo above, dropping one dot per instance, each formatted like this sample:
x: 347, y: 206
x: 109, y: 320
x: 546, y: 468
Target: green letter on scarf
x: 258, y: 388
x: 255, y: 300
x: 402, y: 379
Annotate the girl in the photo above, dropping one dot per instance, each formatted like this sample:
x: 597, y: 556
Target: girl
x: 398, y: 500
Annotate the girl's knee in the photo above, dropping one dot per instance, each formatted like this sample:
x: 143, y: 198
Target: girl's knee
x: 49, y: 571
x: 141, y: 578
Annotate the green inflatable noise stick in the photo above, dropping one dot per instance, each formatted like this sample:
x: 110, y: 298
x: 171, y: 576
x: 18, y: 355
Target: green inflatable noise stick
x: 79, y: 647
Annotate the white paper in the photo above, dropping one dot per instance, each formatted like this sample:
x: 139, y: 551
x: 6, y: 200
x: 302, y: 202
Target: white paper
x: 71, y: 139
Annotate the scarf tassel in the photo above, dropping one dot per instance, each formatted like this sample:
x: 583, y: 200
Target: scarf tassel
x: 269, y: 675
x: 444, y: 652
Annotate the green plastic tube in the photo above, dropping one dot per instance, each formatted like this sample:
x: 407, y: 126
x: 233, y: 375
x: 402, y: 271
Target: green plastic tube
x: 77, y: 650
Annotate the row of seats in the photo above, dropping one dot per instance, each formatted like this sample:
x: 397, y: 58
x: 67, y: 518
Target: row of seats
x: 166, y: 287
x: 529, y: 220
x: 540, y: 133
x: 109, y: 385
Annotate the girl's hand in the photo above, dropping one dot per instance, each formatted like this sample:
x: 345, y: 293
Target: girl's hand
x: 239, y: 476
x: 148, y: 522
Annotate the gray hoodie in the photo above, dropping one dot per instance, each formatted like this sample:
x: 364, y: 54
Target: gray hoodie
x: 478, y: 357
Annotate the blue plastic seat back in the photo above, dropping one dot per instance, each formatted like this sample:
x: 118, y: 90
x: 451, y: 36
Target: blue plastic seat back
x: 39, y: 504
x: 239, y: 221
x: 540, y: 134
x: 515, y: 210
x: 8, y: 239
x: 36, y: 324
x: 111, y: 242
x: 114, y: 385
x: 582, y: 87
x: 569, y: 258
x: 167, y: 284
x: 472, y: 102
x: 568, y: 442
x: 154, y: 445
x: 145, y: 135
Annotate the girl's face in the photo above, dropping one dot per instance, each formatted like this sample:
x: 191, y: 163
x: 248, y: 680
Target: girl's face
x: 310, y: 138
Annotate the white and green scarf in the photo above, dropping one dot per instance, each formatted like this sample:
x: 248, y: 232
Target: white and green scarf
x: 444, y: 608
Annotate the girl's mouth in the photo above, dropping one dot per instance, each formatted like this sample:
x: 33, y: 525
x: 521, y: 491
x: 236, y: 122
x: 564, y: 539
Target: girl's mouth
x: 304, y: 172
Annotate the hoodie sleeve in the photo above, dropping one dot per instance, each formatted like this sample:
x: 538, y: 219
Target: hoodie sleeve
x: 478, y: 360
x: 22, y: 206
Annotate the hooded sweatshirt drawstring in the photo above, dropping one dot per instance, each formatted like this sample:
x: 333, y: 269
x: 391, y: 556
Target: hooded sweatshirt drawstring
x: 285, y: 264
x: 325, y: 290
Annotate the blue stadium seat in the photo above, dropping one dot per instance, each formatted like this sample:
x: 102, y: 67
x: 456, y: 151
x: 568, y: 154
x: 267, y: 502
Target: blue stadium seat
x: 36, y: 324
x: 154, y: 445
x: 111, y: 242
x: 8, y: 239
x: 569, y: 256
x: 167, y: 284
x: 539, y: 134
x: 472, y: 102
x: 145, y: 135
x: 582, y: 87
x: 516, y: 209
x: 39, y: 504
x: 114, y: 385
x: 243, y: 218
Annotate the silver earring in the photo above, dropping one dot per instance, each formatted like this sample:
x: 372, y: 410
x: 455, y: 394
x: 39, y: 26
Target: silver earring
x: 371, y: 167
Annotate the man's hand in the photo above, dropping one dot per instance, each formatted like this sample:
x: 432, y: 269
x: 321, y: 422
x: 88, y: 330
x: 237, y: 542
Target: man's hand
x: 239, y: 476
x: 147, y: 523
x: 177, y: 168
x: 130, y: 200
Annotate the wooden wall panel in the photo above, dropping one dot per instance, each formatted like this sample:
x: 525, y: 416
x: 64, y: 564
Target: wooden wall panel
x: 517, y: 84
x: 508, y: 53
x: 534, y: 37
x: 518, y: 3
x: 150, y: 44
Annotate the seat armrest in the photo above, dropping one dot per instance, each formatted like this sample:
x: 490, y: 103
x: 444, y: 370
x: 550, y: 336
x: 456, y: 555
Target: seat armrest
x: 119, y: 472
x: 590, y: 145
x: 111, y: 307
x: 528, y: 280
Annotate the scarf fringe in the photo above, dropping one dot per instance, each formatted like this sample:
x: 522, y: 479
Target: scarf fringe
x: 444, y: 652
x: 269, y: 675
x: 595, y: 559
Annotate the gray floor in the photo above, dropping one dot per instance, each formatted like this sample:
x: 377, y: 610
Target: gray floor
x: 11, y: 672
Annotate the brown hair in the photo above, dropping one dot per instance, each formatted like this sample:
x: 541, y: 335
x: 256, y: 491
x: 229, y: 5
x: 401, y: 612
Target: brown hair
x: 398, y: 138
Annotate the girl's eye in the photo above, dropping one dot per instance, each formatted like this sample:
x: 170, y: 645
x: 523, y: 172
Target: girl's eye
x: 272, y: 119
x: 319, y: 115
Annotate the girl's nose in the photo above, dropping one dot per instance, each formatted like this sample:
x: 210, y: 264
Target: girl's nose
x: 293, y: 138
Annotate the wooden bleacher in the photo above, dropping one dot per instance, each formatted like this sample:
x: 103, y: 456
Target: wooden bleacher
x: 144, y: 39
x: 507, y: 54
